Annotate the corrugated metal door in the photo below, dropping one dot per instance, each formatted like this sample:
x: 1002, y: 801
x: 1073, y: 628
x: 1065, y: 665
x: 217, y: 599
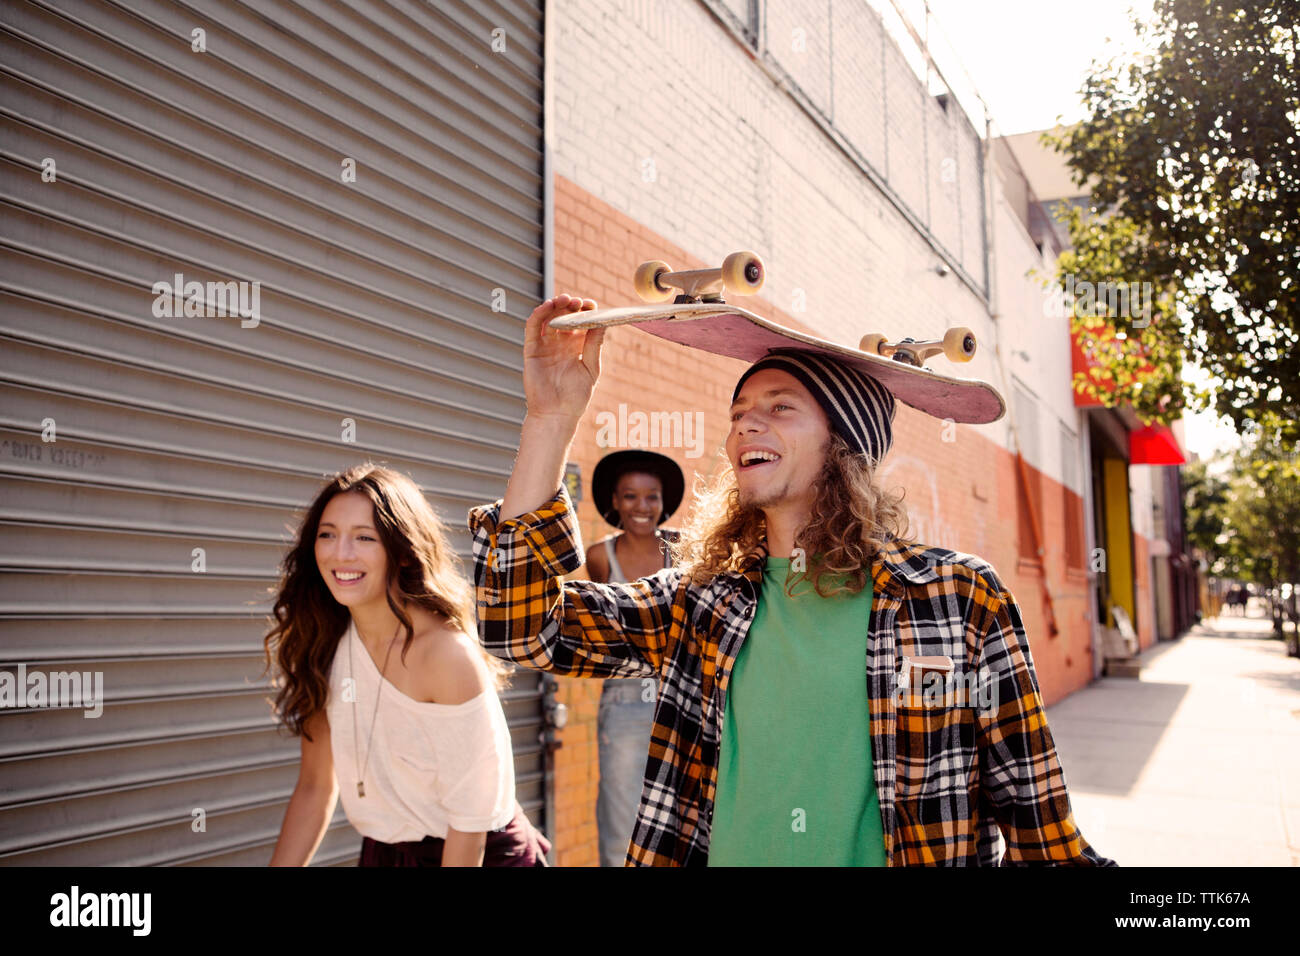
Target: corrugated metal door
x: 377, y: 170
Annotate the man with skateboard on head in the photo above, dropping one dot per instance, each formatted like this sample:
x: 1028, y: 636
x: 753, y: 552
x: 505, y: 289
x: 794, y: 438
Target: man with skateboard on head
x: 788, y: 640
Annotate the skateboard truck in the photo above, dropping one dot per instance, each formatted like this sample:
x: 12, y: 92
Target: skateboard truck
x: 741, y: 273
x: 957, y: 345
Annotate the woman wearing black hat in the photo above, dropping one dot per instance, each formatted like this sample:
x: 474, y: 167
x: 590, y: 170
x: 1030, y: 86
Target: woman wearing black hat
x: 635, y: 491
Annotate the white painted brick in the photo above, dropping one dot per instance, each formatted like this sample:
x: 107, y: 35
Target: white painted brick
x: 740, y: 165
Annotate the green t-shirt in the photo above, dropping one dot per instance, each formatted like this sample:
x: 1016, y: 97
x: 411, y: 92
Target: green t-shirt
x: 795, y: 784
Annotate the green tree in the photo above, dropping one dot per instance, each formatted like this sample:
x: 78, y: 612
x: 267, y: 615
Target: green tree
x: 1139, y: 358
x: 1191, y: 157
x: 1205, y: 503
x: 1262, y: 520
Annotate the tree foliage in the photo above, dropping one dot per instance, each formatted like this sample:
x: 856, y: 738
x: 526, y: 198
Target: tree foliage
x: 1262, y: 515
x: 1190, y: 157
x: 1246, y: 523
x: 1205, y: 503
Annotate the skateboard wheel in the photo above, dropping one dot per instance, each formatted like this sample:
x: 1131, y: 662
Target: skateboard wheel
x: 959, y: 344
x: 743, y: 273
x: 646, y: 281
x: 871, y: 343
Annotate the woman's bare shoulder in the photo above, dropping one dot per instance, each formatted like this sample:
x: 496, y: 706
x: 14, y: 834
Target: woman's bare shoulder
x: 454, y: 664
x: 598, y: 561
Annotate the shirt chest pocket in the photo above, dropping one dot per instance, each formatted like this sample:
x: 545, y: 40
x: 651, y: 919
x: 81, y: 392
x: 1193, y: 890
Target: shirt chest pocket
x: 411, y: 754
x: 935, y: 750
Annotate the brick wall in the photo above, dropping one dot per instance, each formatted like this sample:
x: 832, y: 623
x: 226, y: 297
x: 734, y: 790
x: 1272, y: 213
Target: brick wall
x: 662, y: 115
x: 1144, y: 595
x: 1142, y: 480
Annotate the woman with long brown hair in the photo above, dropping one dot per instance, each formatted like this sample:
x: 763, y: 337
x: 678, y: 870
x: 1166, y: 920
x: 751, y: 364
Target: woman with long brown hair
x: 416, y: 742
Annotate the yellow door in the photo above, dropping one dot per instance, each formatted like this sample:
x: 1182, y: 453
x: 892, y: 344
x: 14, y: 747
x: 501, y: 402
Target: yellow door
x: 1119, y: 538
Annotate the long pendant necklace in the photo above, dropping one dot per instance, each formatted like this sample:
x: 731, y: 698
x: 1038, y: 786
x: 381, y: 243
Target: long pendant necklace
x: 361, y: 777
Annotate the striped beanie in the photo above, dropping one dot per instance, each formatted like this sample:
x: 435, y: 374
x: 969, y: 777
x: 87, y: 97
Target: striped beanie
x: 860, y: 409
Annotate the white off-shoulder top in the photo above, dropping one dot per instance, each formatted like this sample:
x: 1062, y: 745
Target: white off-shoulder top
x: 433, y: 765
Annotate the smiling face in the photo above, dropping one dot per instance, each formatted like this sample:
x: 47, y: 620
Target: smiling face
x: 778, y: 441
x: 349, y: 554
x: 639, y: 501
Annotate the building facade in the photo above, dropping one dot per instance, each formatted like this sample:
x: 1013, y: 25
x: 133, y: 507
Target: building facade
x: 1139, y: 564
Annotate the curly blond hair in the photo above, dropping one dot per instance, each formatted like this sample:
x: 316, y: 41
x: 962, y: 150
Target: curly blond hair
x: 852, y: 518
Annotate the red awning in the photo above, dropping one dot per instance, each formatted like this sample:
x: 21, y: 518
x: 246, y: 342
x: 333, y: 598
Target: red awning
x: 1154, y: 445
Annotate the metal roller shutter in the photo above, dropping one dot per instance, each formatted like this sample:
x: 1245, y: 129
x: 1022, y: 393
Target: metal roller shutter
x: 393, y: 300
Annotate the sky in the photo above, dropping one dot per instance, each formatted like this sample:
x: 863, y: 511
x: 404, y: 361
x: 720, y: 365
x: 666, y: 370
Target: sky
x: 1027, y: 59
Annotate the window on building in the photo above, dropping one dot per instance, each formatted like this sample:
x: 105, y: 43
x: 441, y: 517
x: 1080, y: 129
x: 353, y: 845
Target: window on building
x: 1028, y: 495
x: 1025, y: 494
x: 743, y: 15
x: 1072, y: 495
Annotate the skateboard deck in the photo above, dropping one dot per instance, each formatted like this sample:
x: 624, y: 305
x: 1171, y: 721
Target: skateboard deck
x: 724, y: 329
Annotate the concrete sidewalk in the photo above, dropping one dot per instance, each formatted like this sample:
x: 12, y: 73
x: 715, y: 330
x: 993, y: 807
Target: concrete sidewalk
x: 1197, y: 763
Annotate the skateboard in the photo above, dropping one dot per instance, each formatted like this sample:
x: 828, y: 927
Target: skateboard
x: 700, y: 318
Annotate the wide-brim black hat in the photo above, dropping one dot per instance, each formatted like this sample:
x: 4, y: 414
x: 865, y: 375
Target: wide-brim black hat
x: 618, y: 463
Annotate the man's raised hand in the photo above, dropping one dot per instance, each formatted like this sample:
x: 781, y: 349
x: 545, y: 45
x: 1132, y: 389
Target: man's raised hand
x: 560, y: 372
x: 560, y: 367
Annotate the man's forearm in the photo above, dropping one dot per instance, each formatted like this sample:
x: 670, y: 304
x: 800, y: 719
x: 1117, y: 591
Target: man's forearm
x: 544, y: 444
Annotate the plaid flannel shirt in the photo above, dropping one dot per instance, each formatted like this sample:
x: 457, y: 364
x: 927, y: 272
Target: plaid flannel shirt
x: 949, y: 778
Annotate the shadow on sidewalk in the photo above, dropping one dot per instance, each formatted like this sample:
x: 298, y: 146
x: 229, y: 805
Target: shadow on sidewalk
x: 1108, y: 731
